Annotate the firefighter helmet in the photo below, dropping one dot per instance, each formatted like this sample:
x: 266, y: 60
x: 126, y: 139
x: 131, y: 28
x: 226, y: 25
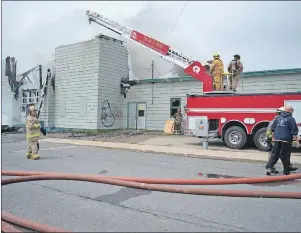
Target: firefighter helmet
x: 215, y: 55
x: 236, y: 55
x: 32, y: 108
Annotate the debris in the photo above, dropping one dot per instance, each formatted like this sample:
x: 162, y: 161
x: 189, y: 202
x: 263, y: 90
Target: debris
x: 21, y: 130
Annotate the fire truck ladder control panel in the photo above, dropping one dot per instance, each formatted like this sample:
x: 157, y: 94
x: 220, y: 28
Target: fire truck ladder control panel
x: 192, y: 67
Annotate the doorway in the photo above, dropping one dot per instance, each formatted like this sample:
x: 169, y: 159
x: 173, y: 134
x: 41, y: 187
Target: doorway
x: 136, y: 116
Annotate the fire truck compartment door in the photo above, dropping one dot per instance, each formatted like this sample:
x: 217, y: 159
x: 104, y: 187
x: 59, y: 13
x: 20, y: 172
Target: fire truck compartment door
x: 201, y: 127
x: 297, y: 111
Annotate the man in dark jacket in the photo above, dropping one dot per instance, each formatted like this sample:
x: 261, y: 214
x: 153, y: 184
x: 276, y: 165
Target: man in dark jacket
x: 270, y: 143
x: 284, y: 130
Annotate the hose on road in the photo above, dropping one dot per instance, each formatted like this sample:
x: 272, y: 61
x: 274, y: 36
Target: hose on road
x: 210, y: 181
x: 28, y: 224
x: 5, y: 227
x: 150, y: 184
x: 156, y: 187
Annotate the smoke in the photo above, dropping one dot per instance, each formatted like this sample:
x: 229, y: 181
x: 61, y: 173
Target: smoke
x: 156, y: 23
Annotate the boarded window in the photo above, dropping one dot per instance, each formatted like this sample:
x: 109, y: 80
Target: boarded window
x: 175, y: 103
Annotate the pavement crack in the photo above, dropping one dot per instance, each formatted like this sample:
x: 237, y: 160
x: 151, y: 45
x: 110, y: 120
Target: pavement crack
x: 150, y: 211
x: 203, y: 219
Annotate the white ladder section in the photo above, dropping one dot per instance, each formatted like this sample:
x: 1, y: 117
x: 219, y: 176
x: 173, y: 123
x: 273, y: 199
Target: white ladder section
x: 166, y: 52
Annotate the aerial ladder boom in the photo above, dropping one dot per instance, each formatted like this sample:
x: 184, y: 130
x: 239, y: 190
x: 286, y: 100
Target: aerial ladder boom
x: 191, y: 66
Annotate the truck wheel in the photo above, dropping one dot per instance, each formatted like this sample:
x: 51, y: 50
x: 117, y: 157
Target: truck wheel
x: 260, y: 139
x: 235, y: 137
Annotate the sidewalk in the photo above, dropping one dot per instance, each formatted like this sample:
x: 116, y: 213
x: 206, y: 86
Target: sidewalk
x: 173, y: 150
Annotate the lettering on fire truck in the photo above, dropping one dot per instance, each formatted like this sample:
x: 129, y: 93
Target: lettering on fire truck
x: 150, y: 42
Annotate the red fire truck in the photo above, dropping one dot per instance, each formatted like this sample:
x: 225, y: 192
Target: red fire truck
x: 237, y: 119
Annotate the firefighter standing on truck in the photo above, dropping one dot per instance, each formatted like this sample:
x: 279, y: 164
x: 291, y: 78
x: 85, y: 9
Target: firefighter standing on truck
x: 270, y: 142
x: 33, y: 128
x: 235, y: 68
x: 177, y: 122
x: 217, y: 70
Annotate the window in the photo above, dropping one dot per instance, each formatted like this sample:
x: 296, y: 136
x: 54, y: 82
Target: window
x: 175, y: 103
x: 30, y: 96
x: 141, y: 113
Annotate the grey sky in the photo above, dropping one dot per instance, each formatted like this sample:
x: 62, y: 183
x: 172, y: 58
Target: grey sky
x: 267, y: 35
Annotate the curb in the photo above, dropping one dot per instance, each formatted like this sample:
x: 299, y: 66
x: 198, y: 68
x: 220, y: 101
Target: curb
x: 162, y: 150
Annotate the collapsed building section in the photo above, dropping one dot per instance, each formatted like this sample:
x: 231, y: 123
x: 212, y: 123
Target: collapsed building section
x: 19, y: 91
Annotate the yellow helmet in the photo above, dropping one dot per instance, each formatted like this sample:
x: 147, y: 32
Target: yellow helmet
x: 215, y: 55
x: 32, y: 108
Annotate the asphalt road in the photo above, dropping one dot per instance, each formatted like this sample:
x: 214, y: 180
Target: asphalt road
x: 79, y: 206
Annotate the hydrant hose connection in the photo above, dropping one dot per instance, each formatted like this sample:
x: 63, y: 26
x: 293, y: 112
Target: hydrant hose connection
x: 147, y: 184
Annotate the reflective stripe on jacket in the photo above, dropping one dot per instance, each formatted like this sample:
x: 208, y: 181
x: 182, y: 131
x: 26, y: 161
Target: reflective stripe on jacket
x: 32, y: 127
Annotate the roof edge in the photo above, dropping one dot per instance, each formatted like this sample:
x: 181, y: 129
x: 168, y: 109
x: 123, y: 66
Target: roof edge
x: 245, y: 74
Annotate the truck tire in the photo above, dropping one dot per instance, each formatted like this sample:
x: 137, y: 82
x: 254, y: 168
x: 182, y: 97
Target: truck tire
x: 259, y: 139
x: 235, y: 137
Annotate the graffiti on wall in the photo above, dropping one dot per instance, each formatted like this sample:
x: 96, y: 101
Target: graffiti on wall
x: 109, y: 114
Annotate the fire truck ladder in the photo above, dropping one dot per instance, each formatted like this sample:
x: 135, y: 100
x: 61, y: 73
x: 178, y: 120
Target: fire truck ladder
x: 191, y: 66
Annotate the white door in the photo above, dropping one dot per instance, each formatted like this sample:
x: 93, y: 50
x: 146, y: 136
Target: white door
x: 141, y: 116
x: 132, y: 115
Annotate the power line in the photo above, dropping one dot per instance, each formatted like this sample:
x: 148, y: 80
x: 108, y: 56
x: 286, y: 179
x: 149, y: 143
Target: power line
x: 178, y: 17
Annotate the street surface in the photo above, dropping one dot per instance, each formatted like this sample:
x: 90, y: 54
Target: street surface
x: 79, y: 206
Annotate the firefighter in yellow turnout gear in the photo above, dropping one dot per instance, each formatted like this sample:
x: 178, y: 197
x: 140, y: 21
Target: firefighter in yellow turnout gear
x: 177, y: 122
x: 217, y: 70
x: 32, y: 133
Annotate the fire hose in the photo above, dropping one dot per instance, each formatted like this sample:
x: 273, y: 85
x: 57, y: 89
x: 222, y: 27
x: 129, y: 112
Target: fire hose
x: 147, y: 184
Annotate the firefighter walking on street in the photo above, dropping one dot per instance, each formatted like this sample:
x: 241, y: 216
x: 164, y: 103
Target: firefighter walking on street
x: 284, y: 131
x: 32, y: 133
x: 270, y: 142
x: 235, y: 68
x: 217, y: 70
x: 177, y: 122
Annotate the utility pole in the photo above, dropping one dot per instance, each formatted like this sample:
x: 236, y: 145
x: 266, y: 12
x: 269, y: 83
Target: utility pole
x: 153, y: 64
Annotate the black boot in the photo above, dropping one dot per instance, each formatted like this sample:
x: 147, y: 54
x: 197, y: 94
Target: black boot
x: 292, y: 169
x: 274, y: 171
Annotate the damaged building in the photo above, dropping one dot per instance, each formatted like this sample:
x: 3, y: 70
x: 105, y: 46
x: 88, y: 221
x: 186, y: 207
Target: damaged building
x: 91, y: 79
x: 19, y: 91
x: 88, y: 89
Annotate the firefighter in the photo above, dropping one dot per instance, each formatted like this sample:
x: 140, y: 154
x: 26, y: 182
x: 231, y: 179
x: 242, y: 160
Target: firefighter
x: 177, y: 122
x: 217, y: 70
x: 271, y: 143
x: 269, y: 137
x: 284, y: 131
x: 32, y: 133
x: 235, y: 68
